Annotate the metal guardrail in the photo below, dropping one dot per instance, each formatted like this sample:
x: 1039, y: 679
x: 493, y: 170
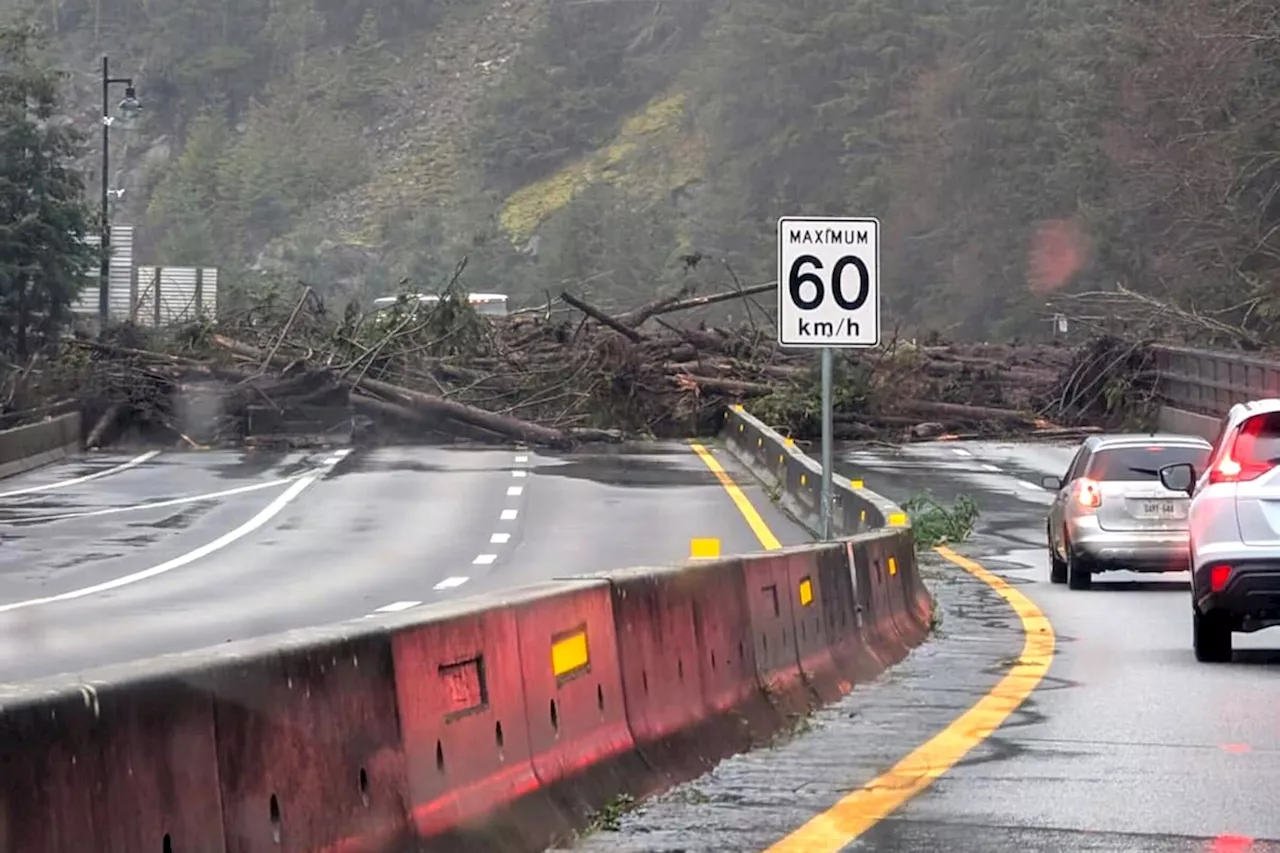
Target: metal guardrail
x: 1212, y: 382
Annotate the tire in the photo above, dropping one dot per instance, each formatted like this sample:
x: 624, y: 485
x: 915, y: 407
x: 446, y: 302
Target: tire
x: 1057, y: 566
x: 1079, y: 570
x: 1211, y: 636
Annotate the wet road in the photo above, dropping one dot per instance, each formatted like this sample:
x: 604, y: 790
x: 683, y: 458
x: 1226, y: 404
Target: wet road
x: 115, y: 558
x: 1128, y: 744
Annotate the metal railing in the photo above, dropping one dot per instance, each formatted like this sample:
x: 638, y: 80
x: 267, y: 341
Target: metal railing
x: 1211, y: 382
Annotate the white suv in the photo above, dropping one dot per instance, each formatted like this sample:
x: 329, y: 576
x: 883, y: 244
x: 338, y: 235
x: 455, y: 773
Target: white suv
x: 1234, y: 529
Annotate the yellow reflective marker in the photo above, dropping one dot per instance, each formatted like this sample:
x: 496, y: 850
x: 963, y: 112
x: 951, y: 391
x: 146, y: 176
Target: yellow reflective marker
x: 569, y: 653
x: 804, y: 479
x: 767, y: 540
x: 897, y: 519
x: 704, y: 549
x: 737, y: 407
x: 759, y: 442
x: 857, y: 812
x: 806, y: 592
x: 893, y: 567
x: 857, y: 484
x: 789, y: 441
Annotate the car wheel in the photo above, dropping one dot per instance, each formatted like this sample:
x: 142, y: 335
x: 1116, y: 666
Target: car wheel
x: 1079, y: 570
x: 1212, y: 636
x: 1057, y: 565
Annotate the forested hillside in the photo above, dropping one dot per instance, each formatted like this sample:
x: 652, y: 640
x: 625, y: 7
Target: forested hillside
x: 1013, y: 150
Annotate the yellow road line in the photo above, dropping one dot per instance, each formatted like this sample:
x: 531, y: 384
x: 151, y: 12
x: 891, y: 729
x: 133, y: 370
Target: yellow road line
x: 767, y: 540
x: 857, y: 812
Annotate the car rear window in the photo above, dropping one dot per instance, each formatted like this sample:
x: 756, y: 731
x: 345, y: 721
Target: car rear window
x: 1258, y: 440
x: 1143, y: 462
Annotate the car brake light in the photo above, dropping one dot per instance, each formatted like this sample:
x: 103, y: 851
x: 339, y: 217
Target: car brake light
x: 1231, y: 471
x: 1218, y: 577
x: 1089, y: 493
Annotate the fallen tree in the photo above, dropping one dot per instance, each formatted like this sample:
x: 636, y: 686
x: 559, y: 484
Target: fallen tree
x: 565, y: 373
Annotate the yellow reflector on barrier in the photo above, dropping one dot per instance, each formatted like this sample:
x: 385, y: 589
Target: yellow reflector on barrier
x: 857, y: 484
x: 737, y: 407
x: 789, y: 441
x: 759, y: 442
x: 862, y: 516
x: 569, y: 653
x: 893, y: 566
x: 781, y: 459
x: 704, y: 549
x: 897, y: 519
x: 804, y: 479
x: 806, y: 592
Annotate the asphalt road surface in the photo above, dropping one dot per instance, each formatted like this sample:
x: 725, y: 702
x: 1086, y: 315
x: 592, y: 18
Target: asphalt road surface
x: 1128, y: 744
x: 119, y: 557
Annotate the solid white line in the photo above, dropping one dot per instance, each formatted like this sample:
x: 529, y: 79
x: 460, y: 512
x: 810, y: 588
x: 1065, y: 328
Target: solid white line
x: 450, y: 583
x: 238, y: 490
x: 509, y: 514
x: 397, y: 606
x: 500, y: 539
x: 268, y: 512
x: 519, y: 473
x: 960, y: 451
x: 484, y: 560
x: 132, y: 463
x: 522, y: 458
x: 515, y: 491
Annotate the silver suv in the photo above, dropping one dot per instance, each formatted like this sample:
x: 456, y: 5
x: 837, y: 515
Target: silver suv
x: 1234, y: 517
x: 1113, y: 513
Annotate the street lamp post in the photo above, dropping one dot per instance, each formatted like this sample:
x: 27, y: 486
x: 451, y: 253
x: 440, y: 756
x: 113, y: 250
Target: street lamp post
x: 129, y: 107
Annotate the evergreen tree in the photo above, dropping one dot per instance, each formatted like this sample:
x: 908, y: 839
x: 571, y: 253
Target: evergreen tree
x: 43, y: 217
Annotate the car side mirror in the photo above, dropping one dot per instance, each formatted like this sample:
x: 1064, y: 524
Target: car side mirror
x: 1051, y: 483
x: 1179, y: 477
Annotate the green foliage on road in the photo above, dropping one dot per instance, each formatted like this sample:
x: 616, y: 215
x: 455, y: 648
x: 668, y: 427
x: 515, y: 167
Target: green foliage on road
x: 43, y: 217
x: 934, y: 523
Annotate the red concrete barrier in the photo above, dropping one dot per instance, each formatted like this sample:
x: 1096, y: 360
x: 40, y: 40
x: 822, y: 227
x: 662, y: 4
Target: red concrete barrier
x: 460, y: 697
x: 581, y: 745
x: 122, y: 767
x: 309, y: 749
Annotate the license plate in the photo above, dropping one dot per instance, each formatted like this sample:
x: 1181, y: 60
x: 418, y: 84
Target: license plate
x: 1160, y: 509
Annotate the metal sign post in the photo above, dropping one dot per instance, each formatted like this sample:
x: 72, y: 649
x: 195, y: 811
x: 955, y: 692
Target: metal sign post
x: 827, y: 417
x: 828, y: 297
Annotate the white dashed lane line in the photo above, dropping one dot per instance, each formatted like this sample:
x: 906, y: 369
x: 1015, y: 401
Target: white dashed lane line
x: 501, y: 537
x: 451, y: 583
x: 397, y: 606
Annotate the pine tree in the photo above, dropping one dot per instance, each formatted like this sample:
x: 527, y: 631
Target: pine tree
x: 44, y: 261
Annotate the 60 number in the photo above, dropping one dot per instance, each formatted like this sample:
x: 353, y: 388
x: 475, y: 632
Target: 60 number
x: 798, y: 279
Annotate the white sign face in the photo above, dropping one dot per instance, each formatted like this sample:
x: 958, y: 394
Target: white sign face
x: 828, y: 282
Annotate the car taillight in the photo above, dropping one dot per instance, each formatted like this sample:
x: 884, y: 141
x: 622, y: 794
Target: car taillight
x: 1218, y: 577
x: 1231, y: 471
x: 1088, y: 493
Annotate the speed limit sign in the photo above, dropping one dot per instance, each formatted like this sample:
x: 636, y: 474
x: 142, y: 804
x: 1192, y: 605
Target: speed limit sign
x: 828, y: 282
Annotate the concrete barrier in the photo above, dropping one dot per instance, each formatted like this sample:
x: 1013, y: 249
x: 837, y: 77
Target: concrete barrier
x: 499, y: 722
x: 33, y: 445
